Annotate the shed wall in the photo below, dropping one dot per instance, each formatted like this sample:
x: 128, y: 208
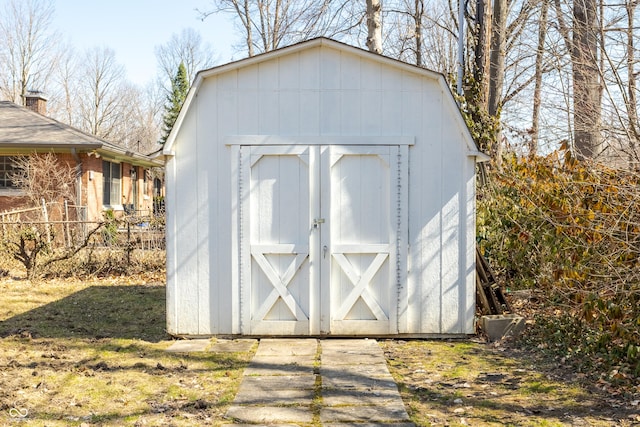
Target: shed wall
x: 328, y: 93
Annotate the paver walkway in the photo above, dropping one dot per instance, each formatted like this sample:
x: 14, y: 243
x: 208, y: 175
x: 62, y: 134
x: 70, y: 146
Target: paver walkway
x: 334, y: 382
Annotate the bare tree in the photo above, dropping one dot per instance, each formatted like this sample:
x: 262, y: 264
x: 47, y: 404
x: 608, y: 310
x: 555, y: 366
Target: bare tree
x: 374, y: 26
x: 266, y: 25
x: 101, y: 89
x: 560, y: 69
x: 188, y: 48
x: 535, y: 117
x: 63, y: 91
x: 439, y: 40
x: 497, y: 56
x: 134, y: 122
x: 44, y: 177
x: 418, y: 32
x: 587, y: 89
x: 27, y: 47
x: 92, y: 94
x: 582, y: 41
x: 145, y: 129
x: 485, y: 37
x: 632, y: 99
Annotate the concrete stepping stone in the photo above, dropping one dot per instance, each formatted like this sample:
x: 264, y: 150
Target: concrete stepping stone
x: 369, y: 425
x: 287, y: 347
x: 304, y: 360
x: 274, y: 383
x: 358, y: 346
x: 349, y: 358
x: 274, y: 369
x: 275, y: 397
x: 384, y: 413
x: 338, y: 397
x: 270, y: 414
x: 358, y: 383
x: 188, y: 346
x: 377, y: 370
x: 281, y: 365
x: 232, y: 346
x: 279, y: 385
x: 262, y: 425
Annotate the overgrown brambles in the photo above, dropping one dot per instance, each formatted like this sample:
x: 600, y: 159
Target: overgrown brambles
x: 572, y: 231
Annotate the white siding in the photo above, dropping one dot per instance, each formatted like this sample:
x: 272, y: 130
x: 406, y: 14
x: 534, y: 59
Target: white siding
x: 425, y: 218
x: 186, y: 250
x: 327, y: 91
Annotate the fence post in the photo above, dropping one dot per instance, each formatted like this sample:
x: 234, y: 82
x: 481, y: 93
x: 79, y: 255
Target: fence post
x: 45, y: 216
x: 68, y: 242
x: 128, y: 249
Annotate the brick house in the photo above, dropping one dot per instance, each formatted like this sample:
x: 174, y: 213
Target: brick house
x: 108, y: 176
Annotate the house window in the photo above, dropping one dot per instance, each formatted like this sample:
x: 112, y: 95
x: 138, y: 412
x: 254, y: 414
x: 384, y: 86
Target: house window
x: 7, y: 168
x: 112, y: 183
x: 157, y: 187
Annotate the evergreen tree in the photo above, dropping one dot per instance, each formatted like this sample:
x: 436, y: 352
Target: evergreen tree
x: 179, y: 89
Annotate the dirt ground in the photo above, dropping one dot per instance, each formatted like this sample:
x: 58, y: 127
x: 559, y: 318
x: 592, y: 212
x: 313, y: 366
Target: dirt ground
x: 92, y: 352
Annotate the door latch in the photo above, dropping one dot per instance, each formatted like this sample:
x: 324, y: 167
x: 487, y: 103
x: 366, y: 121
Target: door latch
x: 317, y: 221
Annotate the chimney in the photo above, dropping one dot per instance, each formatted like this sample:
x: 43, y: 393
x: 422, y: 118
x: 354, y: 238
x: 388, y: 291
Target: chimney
x: 35, y: 101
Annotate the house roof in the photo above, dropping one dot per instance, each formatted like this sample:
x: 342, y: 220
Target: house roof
x: 23, y: 130
x: 320, y: 41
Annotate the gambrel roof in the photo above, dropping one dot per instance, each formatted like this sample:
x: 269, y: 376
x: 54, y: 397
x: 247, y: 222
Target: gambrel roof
x: 436, y: 77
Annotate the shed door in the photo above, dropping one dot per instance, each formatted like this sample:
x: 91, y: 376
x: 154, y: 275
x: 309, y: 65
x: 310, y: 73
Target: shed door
x: 319, y: 246
x: 360, y: 203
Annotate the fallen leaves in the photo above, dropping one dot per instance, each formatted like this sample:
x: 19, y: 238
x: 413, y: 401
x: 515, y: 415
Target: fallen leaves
x: 481, y: 385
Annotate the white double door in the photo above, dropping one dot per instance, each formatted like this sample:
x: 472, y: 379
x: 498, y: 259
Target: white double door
x: 319, y: 251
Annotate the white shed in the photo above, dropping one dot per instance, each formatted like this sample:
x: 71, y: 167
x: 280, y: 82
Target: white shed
x: 320, y: 190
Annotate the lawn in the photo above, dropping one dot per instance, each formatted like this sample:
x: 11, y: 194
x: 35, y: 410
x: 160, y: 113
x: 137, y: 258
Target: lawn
x: 93, y: 352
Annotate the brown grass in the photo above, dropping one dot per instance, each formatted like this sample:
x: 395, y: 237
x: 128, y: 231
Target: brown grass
x: 92, y: 352
x: 475, y: 383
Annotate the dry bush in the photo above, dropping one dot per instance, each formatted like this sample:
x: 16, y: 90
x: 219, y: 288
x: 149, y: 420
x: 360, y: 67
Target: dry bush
x: 44, y: 177
x: 33, y: 245
x: 100, y: 261
x: 570, y: 231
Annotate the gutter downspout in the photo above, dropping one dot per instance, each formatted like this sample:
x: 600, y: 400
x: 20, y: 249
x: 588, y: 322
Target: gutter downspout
x: 76, y: 157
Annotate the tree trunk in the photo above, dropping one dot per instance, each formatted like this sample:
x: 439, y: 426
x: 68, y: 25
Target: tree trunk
x: 417, y: 19
x: 374, y: 26
x: 632, y: 102
x: 535, y: 117
x: 483, y: 28
x: 587, y: 90
x: 247, y: 26
x: 496, y: 63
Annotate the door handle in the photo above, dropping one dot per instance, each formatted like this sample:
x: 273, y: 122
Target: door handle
x: 324, y: 251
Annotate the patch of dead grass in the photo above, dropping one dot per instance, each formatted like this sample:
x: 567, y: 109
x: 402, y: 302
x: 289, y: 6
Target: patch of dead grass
x: 93, y: 352
x: 474, y: 383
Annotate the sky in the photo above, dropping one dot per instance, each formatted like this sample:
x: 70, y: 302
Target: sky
x: 133, y: 28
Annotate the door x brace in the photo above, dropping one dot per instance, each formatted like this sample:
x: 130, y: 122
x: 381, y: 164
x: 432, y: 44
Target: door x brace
x: 280, y: 283
x: 360, y: 284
